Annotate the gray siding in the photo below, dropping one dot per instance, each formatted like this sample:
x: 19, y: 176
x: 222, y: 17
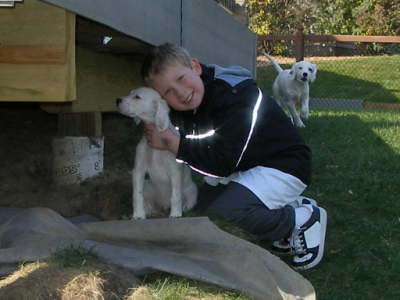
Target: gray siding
x: 214, y: 36
x: 203, y: 27
x: 152, y: 21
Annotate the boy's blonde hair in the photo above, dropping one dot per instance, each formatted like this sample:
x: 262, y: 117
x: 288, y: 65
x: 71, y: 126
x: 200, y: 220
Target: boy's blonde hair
x: 161, y: 56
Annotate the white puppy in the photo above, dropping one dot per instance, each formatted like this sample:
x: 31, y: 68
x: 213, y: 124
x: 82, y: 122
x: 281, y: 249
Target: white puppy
x: 291, y: 88
x: 170, y: 186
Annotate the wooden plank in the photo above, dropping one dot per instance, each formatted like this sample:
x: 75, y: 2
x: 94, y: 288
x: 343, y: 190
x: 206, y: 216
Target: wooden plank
x: 41, y: 54
x: 80, y: 124
x: 37, y: 53
x: 382, y: 106
x: 353, y: 38
x: 101, y: 78
x: 32, y: 22
x: 334, y: 38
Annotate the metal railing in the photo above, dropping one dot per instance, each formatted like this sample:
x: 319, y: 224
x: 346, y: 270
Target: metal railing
x: 8, y: 3
x: 228, y: 4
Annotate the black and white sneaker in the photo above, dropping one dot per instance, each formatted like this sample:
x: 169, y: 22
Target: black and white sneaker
x: 302, y: 201
x: 308, y: 241
x: 282, y: 247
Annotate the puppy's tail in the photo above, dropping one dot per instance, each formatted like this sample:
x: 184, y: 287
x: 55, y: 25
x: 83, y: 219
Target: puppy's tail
x: 277, y: 67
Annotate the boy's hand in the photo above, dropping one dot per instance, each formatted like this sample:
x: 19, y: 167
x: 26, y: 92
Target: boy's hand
x: 161, y: 140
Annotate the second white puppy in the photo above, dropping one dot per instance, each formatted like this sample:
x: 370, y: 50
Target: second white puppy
x: 291, y: 88
x: 170, y: 186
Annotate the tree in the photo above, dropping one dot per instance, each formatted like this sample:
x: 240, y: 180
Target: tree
x: 279, y: 17
x: 368, y: 17
x: 381, y: 17
x: 356, y: 17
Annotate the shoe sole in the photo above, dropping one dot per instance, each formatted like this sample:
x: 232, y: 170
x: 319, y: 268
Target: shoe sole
x: 323, y: 221
x: 282, y: 253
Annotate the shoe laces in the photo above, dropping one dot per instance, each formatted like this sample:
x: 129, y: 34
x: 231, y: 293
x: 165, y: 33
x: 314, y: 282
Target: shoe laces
x: 297, y: 242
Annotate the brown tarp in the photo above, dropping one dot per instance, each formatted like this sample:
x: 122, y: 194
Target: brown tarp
x: 189, y: 247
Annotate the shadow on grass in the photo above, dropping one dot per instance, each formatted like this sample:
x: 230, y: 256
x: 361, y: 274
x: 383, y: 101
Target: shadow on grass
x: 356, y: 178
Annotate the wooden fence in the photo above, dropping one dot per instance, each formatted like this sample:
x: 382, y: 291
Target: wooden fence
x: 299, y: 38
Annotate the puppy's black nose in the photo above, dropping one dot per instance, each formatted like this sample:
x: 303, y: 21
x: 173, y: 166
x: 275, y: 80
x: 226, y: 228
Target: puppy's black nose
x: 305, y: 74
x: 118, y: 100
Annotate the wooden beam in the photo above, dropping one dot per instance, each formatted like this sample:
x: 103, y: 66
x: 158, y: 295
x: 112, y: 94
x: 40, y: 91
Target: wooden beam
x: 299, y: 45
x: 334, y: 38
x: 382, y: 106
x: 353, y: 38
x: 101, y: 78
x: 30, y: 54
x: 37, y: 53
x: 80, y: 124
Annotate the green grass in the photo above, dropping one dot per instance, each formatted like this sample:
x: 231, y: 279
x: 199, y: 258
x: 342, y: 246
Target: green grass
x: 176, y: 288
x: 73, y: 256
x: 373, y: 79
x: 356, y: 177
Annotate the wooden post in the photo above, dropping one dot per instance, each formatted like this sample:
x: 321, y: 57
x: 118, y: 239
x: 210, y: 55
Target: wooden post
x: 80, y: 124
x: 299, y: 44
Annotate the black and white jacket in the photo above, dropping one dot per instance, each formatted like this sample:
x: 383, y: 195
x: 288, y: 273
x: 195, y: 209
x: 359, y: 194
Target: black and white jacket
x: 237, y: 127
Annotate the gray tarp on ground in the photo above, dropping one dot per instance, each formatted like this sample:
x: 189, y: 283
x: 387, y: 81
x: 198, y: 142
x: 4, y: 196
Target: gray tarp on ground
x: 190, y: 247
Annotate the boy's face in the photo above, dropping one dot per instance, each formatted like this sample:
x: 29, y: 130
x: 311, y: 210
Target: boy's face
x: 179, y: 85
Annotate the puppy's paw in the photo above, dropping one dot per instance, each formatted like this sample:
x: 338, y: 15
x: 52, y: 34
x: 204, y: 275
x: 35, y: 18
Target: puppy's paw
x: 176, y: 213
x: 300, y: 124
x: 189, y: 204
x: 138, y: 216
x: 304, y: 113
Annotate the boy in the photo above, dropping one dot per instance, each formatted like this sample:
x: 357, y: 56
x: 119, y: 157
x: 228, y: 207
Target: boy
x: 234, y: 134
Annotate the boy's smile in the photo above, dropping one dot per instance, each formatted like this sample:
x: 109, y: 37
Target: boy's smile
x: 179, y: 85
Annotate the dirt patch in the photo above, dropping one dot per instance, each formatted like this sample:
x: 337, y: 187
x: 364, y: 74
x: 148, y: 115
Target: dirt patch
x: 26, y: 170
x: 26, y: 181
x: 49, y: 281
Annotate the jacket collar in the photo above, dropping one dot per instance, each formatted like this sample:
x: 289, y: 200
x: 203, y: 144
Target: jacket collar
x: 207, y: 74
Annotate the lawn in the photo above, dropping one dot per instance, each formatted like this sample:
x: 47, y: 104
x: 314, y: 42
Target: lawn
x: 372, y: 79
x: 357, y: 179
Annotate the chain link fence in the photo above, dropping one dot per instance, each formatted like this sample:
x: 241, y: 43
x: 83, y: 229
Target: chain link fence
x: 351, y: 75
x: 228, y: 4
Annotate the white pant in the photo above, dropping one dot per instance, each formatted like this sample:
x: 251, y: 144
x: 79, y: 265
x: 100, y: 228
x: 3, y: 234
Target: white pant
x: 273, y: 187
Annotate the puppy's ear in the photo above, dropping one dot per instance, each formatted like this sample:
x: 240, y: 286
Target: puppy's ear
x: 292, y: 72
x: 314, y: 74
x: 162, y: 117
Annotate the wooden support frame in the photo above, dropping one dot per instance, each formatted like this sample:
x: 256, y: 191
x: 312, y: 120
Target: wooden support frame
x: 80, y: 124
x: 298, y: 38
x: 37, y: 53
